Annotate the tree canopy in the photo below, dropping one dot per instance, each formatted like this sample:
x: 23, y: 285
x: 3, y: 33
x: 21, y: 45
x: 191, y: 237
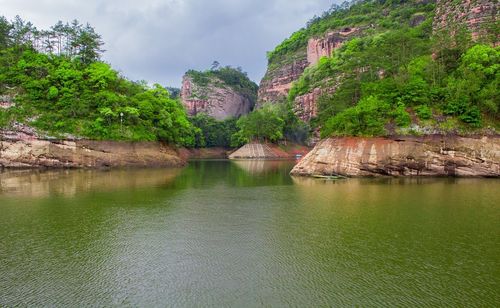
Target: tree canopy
x: 59, y: 85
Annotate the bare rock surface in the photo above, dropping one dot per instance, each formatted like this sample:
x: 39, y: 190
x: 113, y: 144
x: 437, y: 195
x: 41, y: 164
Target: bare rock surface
x: 21, y: 147
x: 434, y: 155
x: 215, y: 99
x: 270, y: 151
x: 254, y: 151
x: 278, y: 80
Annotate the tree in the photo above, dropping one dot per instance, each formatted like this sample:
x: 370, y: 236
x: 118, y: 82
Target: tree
x: 88, y: 44
x: 215, y: 65
x: 213, y: 133
x: 263, y: 124
x: 5, y: 28
x: 474, y: 86
x: 174, y: 92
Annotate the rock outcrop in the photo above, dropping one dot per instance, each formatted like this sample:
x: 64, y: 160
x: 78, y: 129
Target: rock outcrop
x: 479, y: 16
x: 254, y: 151
x: 215, y: 99
x: 408, y: 156
x: 325, y: 46
x: 37, y: 153
x: 279, y: 77
x: 278, y: 80
x: 6, y: 101
x: 306, y: 106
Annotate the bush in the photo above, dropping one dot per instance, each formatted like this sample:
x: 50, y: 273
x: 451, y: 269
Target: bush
x: 401, y: 116
x: 5, y: 118
x: 263, y: 124
x: 423, y: 112
x: 367, y: 118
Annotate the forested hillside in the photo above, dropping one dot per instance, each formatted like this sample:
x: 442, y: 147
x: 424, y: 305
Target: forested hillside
x: 373, y: 68
x: 363, y: 68
x: 58, y: 84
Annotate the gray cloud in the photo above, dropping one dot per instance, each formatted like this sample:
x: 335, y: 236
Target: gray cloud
x: 158, y: 40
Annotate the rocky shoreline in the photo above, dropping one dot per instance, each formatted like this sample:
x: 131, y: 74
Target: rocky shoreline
x: 434, y: 155
x: 37, y: 153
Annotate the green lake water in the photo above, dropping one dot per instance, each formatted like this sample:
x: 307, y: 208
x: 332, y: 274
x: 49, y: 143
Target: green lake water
x: 220, y: 234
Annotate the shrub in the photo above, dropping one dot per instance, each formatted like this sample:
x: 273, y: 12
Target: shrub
x: 423, y: 112
x: 367, y: 118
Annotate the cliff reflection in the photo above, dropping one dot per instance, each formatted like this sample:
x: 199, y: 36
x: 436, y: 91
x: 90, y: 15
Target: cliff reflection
x: 259, y: 167
x: 68, y: 183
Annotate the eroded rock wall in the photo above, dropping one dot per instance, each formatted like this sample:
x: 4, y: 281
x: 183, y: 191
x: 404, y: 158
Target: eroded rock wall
x: 278, y: 80
x: 326, y: 45
x: 37, y: 153
x: 306, y: 106
x: 279, y: 77
x: 215, y: 99
x: 407, y: 156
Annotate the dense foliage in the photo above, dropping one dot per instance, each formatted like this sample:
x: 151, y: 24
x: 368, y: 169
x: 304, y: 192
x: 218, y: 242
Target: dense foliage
x: 399, y: 77
x: 270, y: 123
x: 210, y: 132
x: 66, y: 89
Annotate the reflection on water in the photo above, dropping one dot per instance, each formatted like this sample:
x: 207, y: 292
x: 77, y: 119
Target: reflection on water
x: 44, y: 183
x: 255, y: 167
x: 245, y: 233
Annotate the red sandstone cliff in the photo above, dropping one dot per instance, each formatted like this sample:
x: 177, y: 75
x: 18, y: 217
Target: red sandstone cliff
x: 479, y: 16
x: 278, y: 80
x: 280, y: 76
x: 215, y: 99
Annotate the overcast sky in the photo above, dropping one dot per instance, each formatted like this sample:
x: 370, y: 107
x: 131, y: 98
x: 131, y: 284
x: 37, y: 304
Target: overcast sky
x: 158, y: 40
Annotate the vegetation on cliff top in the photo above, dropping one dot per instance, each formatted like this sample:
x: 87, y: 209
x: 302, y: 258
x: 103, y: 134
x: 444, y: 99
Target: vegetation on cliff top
x: 399, y: 76
x: 383, y: 13
x: 59, y: 85
x: 235, y: 78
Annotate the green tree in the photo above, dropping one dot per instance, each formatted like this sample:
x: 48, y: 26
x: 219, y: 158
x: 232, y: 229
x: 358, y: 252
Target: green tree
x: 263, y: 124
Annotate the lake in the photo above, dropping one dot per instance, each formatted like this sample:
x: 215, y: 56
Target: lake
x: 245, y: 233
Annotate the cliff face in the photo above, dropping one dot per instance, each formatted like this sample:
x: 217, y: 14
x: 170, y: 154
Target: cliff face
x: 279, y: 77
x: 408, y: 156
x: 306, y: 106
x: 215, y: 99
x: 325, y: 46
x: 479, y: 16
x: 278, y: 80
